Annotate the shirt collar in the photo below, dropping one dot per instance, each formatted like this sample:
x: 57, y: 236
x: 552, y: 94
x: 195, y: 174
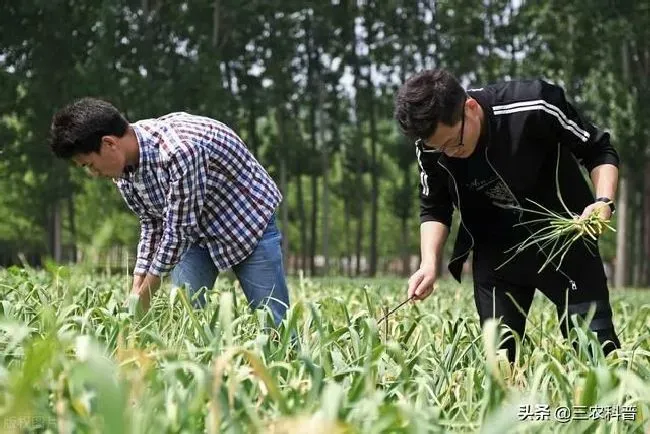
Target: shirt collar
x: 144, y: 139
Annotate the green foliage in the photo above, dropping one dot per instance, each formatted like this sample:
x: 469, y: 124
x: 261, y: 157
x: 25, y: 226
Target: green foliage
x: 295, y: 79
x: 73, y: 359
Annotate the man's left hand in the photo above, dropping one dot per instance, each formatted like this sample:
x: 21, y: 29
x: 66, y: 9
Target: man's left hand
x: 602, y: 208
x: 144, y: 297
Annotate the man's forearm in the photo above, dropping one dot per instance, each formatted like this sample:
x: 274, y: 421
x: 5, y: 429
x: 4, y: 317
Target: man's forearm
x: 432, y: 239
x: 605, y: 180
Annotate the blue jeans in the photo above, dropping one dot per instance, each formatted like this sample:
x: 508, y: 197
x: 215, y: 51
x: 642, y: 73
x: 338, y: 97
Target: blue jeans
x: 261, y: 274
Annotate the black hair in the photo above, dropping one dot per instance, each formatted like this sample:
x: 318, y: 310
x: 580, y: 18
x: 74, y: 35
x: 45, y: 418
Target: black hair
x: 427, y: 98
x: 78, y: 128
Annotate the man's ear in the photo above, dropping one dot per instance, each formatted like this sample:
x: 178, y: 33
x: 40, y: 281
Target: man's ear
x: 472, y: 103
x: 110, y: 141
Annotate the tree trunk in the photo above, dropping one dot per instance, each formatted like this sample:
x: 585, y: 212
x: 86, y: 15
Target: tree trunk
x: 313, y: 70
x: 73, y: 228
x: 325, y: 220
x: 638, y: 239
x: 631, y: 233
x: 374, y: 164
x: 406, y: 173
x: 300, y: 199
x: 634, y: 234
x: 621, y: 267
x: 284, y: 184
x: 640, y: 257
x: 357, y: 153
x: 55, y: 231
x: 359, y: 240
x: 646, y: 235
x: 348, y: 243
x: 284, y: 187
x: 314, y: 224
x: 374, y: 170
x: 406, y: 257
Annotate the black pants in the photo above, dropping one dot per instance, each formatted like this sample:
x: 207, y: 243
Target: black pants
x: 508, y: 293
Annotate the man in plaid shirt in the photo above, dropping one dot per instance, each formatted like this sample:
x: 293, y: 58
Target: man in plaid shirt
x: 204, y: 202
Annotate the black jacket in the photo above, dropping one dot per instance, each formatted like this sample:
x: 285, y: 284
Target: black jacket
x: 527, y: 123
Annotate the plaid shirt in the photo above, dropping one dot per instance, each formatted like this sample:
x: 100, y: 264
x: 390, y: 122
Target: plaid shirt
x: 196, y: 182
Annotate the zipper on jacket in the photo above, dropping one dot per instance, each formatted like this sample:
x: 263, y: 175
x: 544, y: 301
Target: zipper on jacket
x: 572, y: 282
x: 460, y: 214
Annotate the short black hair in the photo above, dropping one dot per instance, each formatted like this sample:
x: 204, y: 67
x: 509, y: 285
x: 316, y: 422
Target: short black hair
x: 427, y: 98
x: 78, y: 128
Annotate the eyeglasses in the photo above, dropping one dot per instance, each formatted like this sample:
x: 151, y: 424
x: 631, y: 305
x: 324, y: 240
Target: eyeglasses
x: 442, y: 149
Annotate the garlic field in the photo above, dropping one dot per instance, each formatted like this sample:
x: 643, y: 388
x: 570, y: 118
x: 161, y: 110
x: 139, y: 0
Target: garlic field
x: 73, y: 359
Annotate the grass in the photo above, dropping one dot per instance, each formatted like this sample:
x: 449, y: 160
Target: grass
x: 558, y: 233
x: 71, y: 360
x: 554, y: 232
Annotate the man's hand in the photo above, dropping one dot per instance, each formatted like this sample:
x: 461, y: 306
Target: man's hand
x: 144, y: 297
x: 137, y: 282
x: 602, y: 208
x: 421, y: 283
x: 145, y: 289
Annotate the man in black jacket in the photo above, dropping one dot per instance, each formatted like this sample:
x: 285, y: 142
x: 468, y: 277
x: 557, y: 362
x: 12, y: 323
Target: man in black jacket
x: 489, y: 152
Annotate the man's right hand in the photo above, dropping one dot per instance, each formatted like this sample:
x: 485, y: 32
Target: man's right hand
x: 421, y: 283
